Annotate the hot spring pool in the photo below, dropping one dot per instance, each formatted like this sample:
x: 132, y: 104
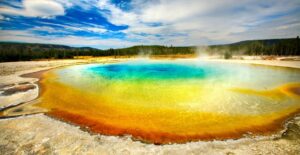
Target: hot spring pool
x: 173, y: 101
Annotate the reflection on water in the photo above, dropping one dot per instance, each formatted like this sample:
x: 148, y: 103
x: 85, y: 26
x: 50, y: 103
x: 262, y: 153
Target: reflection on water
x: 173, y: 101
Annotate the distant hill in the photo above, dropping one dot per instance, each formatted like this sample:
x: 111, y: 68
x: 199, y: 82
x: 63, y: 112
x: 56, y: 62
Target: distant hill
x: 267, y: 42
x: 10, y: 51
x: 290, y: 46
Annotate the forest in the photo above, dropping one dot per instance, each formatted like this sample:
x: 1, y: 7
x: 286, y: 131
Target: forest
x: 10, y: 51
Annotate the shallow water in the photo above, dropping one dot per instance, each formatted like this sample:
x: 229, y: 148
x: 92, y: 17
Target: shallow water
x: 173, y: 101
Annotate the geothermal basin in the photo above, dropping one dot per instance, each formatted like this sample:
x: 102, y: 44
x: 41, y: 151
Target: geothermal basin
x: 162, y: 101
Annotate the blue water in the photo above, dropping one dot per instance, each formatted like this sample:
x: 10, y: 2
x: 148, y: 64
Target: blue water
x: 152, y: 71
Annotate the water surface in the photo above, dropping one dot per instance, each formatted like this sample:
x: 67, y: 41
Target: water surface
x: 173, y: 101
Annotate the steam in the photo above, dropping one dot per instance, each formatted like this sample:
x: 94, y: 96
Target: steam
x: 201, y: 52
x: 144, y: 53
x: 204, y: 52
x: 219, y: 52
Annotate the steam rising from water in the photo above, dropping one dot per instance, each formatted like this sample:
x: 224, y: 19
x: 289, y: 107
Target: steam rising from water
x: 144, y: 53
x: 201, y: 52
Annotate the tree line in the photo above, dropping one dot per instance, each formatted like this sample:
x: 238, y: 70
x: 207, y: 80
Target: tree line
x: 26, y: 51
x: 277, y: 47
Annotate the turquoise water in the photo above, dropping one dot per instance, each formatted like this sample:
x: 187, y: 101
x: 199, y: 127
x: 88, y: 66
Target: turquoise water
x: 152, y: 71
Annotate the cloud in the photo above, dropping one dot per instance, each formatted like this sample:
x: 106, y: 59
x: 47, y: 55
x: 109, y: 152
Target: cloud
x: 202, y: 21
x: 35, y: 8
x: 164, y: 22
x: 287, y: 26
x: 28, y: 36
x: 49, y: 30
x: 116, y: 15
x: 96, y: 29
x: 69, y: 27
x: 175, y: 10
x: 83, y: 4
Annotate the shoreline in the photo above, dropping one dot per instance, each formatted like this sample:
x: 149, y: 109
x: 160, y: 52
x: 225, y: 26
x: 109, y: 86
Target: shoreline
x: 139, y: 145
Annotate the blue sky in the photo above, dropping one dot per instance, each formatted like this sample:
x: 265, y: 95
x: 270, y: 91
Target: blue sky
x: 122, y: 23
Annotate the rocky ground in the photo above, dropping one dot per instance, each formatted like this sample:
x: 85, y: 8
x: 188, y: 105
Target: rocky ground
x: 39, y: 134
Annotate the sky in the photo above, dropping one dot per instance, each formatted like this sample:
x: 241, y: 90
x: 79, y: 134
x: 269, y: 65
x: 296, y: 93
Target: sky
x: 122, y: 23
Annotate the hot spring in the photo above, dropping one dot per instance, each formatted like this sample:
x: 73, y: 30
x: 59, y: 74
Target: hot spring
x: 173, y: 101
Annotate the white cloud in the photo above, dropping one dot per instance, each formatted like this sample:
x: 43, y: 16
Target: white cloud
x: 48, y: 29
x: 43, y: 28
x: 174, y: 10
x: 96, y: 29
x: 202, y: 21
x: 68, y: 27
x: 177, y: 22
x: 287, y: 26
x: 116, y: 15
x: 83, y: 4
x: 36, y: 8
x: 27, y: 36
